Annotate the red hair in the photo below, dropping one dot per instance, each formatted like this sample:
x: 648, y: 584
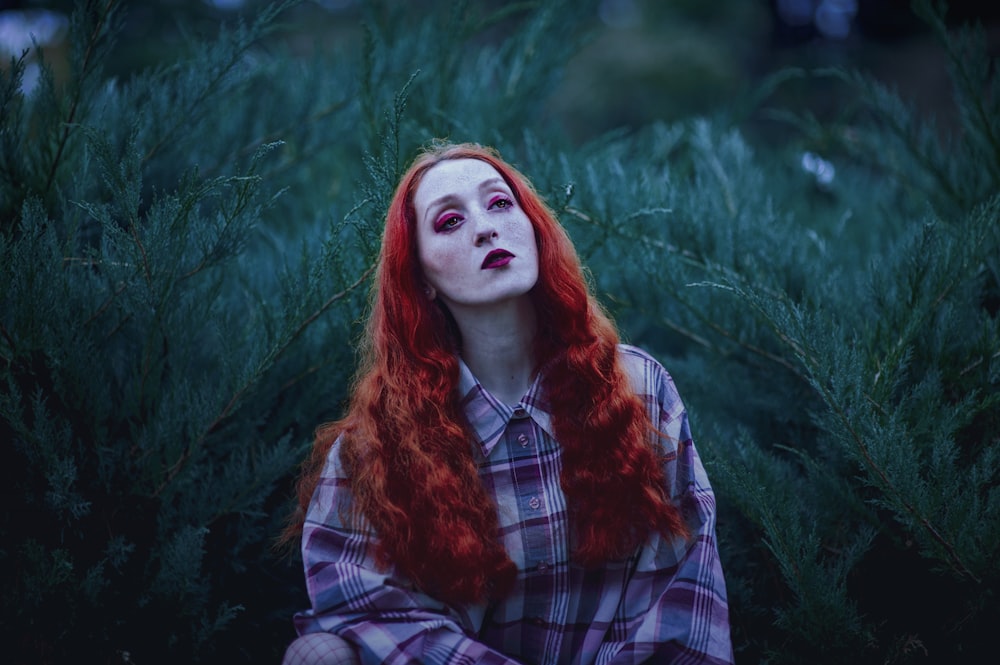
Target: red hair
x: 406, y: 446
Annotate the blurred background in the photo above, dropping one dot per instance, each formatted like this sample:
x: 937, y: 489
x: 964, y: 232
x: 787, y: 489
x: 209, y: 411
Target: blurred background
x: 645, y: 60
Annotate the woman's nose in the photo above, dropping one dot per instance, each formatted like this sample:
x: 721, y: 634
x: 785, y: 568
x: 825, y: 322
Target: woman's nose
x: 485, y: 231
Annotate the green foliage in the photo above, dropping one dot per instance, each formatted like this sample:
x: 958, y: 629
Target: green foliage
x: 185, y: 255
x: 843, y: 348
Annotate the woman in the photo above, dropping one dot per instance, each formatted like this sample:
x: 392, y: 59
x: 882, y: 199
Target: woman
x: 510, y: 484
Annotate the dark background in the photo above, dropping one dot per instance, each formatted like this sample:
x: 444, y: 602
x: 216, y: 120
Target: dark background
x: 646, y: 60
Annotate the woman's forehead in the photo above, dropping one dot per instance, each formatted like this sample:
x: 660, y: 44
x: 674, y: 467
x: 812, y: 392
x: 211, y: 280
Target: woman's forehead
x: 461, y: 170
x: 455, y: 177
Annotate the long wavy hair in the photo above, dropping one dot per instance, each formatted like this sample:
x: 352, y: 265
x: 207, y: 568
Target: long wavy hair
x: 406, y: 445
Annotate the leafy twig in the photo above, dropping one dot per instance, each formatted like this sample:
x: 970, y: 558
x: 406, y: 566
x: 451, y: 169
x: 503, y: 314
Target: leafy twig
x: 178, y: 465
x: 68, y: 125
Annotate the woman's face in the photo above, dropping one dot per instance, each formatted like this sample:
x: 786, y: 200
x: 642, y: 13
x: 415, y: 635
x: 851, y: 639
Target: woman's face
x: 475, y: 245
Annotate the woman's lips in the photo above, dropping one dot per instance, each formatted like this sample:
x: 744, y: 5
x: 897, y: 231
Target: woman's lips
x: 496, y: 259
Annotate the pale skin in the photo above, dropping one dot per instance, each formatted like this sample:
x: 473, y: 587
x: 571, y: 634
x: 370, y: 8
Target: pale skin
x: 479, y: 256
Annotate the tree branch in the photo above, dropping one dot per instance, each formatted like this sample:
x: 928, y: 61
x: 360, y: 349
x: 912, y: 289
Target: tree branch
x: 230, y: 406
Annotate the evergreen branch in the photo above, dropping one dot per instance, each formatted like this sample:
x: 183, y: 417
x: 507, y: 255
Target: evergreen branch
x: 147, y: 361
x: 275, y: 136
x: 889, y: 486
x: 691, y: 335
x: 920, y: 315
x: 720, y: 174
x: 133, y: 228
x: 367, y: 100
x: 974, y: 95
x: 793, y: 344
x: 840, y: 484
x: 246, y: 490
x: 183, y: 118
x: 11, y: 103
x: 702, y: 141
x: 903, y: 131
x: 698, y: 339
x: 331, y: 300
x: 812, y: 363
x: 759, y: 509
x: 10, y: 342
x: 90, y: 263
x: 976, y: 363
x: 499, y: 15
x: 118, y: 326
x: 896, y: 117
x: 309, y: 371
x: 271, y: 357
x: 244, y: 198
x: 752, y: 348
x: 70, y: 124
x: 105, y: 305
x: 692, y: 259
x: 301, y: 157
x: 686, y: 256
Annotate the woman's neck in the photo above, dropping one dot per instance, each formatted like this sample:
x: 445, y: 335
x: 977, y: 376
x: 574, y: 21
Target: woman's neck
x: 498, y: 346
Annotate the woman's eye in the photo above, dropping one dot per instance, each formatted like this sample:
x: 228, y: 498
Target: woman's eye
x: 502, y: 203
x: 447, y: 223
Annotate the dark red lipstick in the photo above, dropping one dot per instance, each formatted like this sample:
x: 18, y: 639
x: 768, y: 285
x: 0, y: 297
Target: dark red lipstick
x: 496, y: 259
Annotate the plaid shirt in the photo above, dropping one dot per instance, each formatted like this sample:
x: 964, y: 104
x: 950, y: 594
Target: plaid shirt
x: 665, y: 604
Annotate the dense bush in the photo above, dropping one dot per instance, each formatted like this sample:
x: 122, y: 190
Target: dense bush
x: 185, y: 257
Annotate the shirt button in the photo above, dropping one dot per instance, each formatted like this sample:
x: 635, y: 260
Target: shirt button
x: 534, y: 503
x: 542, y: 567
x: 519, y: 412
x: 523, y: 440
x: 536, y: 621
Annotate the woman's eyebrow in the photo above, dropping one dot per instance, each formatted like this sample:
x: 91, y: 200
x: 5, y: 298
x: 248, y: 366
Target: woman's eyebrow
x: 438, y: 203
x: 492, y: 182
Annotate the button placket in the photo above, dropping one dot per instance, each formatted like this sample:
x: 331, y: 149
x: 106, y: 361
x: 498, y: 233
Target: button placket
x: 526, y: 447
x: 520, y: 433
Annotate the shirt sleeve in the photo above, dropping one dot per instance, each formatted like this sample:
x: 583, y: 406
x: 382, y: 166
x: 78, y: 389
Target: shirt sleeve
x: 675, y: 607
x: 384, y: 616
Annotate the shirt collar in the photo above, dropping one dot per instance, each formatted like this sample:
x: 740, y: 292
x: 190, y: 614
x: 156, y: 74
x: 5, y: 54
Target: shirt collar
x: 489, y: 417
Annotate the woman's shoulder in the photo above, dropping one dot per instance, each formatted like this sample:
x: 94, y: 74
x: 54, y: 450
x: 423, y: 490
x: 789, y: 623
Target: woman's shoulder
x: 334, y: 466
x: 638, y: 361
x: 647, y: 375
x: 629, y: 351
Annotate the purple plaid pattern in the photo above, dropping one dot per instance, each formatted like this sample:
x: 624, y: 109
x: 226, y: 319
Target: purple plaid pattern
x: 665, y: 604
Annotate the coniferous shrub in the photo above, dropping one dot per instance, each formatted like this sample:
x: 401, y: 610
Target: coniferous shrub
x: 185, y: 257
x: 186, y: 254
x: 840, y: 344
